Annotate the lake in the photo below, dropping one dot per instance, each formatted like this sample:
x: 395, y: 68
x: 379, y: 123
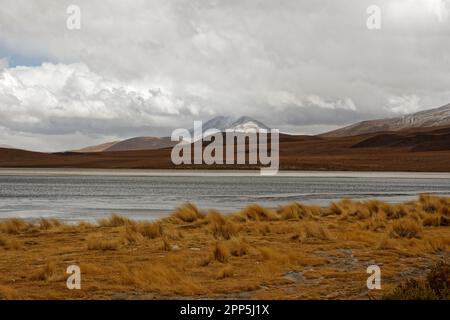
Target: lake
x: 73, y: 195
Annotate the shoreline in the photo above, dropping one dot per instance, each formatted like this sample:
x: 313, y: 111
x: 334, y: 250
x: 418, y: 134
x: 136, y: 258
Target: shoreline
x: 218, y: 172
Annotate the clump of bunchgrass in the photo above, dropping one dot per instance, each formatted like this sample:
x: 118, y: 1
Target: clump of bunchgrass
x: 296, y: 211
x: 188, y: 212
x: 238, y: 247
x: 114, y: 221
x: 221, y: 227
x: 314, y: 230
x: 405, y: 228
x: 150, y: 230
x: 221, y: 252
x: 46, y: 224
x: 14, y: 226
x: 255, y: 212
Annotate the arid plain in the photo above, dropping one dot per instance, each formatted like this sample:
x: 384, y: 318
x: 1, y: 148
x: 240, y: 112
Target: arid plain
x: 290, y: 252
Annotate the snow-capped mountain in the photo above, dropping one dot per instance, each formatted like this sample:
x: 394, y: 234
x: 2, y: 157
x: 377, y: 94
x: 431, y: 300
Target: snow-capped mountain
x: 243, y: 124
x: 246, y: 124
x: 428, y: 118
x: 220, y: 123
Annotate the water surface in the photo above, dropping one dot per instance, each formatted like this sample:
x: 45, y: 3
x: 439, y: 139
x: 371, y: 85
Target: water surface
x: 74, y: 195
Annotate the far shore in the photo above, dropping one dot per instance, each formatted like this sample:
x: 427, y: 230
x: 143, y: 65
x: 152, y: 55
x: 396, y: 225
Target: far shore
x: 215, y: 172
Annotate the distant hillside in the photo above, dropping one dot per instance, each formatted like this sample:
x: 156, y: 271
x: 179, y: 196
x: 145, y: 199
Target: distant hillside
x: 406, y: 150
x: 420, y: 140
x: 98, y: 148
x: 138, y: 143
x: 142, y: 143
x: 428, y: 118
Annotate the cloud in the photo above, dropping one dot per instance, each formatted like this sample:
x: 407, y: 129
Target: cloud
x: 404, y: 104
x: 144, y: 67
x: 67, y: 99
x: 3, y: 63
x: 344, y: 104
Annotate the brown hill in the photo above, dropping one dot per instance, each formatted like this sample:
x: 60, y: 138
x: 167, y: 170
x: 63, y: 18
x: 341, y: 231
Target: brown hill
x: 138, y: 143
x: 410, y: 150
x: 142, y: 143
x: 97, y: 148
x: 431, y: 140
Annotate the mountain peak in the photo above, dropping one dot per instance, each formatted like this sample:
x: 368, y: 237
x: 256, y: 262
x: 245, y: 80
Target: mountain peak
x: 224, y: 123
x: 246, y: 123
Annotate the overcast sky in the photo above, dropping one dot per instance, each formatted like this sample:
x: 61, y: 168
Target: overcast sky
x: 147, y: 67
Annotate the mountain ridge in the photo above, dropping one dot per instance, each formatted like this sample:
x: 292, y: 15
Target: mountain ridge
x: 427, y: 118
x: 411, y: 150
x: 221, y: 123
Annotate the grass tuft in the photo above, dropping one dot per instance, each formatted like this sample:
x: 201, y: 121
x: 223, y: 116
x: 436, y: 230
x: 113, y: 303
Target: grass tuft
x: 188, y: 212
x: 221, y: 252
x: 313, y: 230
x: 221, y: 227
x: 405, y: 228
x: 255, y: 212
x: 113, y: 221
x: 46, y: 224
x: 238, y: 247
x: 150, y: 230
x: 14, y: 226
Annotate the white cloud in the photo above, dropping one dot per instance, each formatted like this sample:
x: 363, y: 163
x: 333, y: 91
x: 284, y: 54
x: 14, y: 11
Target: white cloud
x: 66, y: 99
x: 344, y: 104
x: 404, y: 104
x: 3, y: 63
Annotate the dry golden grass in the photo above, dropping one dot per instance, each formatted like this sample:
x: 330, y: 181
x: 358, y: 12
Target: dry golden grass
x: 222, y: 228
x: 225, y: 272
x: 406, y: 228
x: 131, y: 235
x: 314, y: 230
x: 295, y: 251
x: 113, y: 221
x: 96, y: 242
x: 166, y: 246
x: 14, y: 226
x: 9, y: 243
x: 150, y: 230
x: 188, y: 213
x: 238, y: 247
x: 46, y: 224
x: 273, y: 255
x: 49, y: 272
x: 8, y: 293
x: 376, y: 223
x: 163, y: 278
x: 256, y: 212
x: 221, y: 252
x: 297, y: 211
